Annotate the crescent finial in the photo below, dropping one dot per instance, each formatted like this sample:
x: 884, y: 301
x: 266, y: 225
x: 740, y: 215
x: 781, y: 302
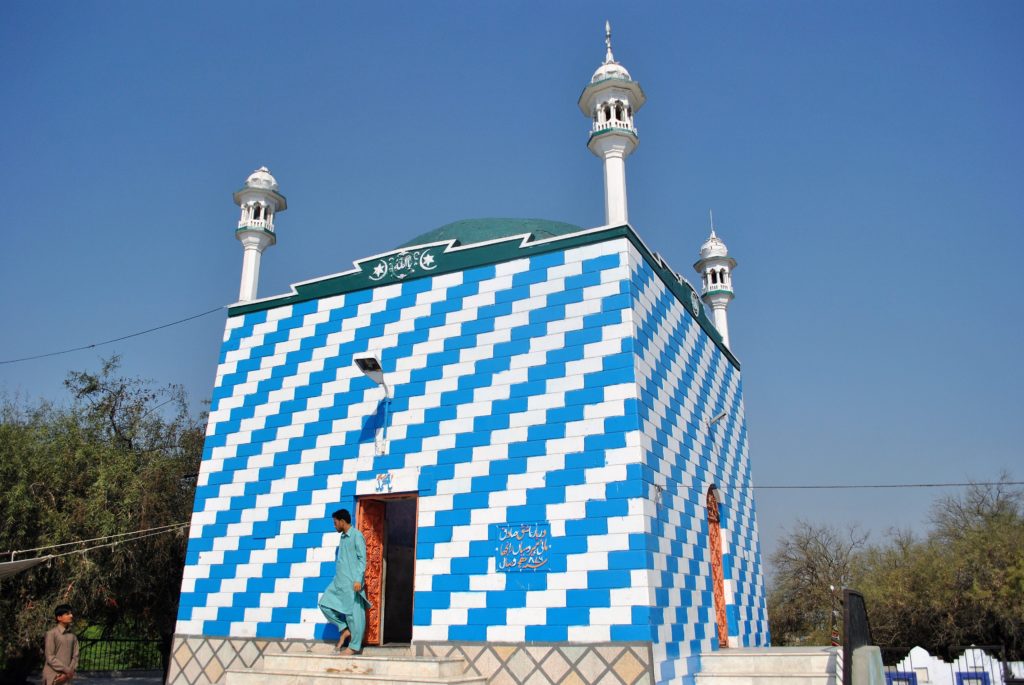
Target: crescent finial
x: 608, y: 58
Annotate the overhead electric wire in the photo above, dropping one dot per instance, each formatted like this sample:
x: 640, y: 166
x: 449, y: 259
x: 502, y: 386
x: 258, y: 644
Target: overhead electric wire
x: 39, y: 560
x: 109, y: 544
x: 160, y: 529
x: 884, y: 485
x: 112, y: 340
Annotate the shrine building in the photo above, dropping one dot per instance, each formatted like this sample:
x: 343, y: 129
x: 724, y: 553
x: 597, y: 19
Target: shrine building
x: 539, y: 428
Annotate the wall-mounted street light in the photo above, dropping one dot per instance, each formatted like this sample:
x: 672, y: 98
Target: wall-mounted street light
x: 710, y: 423
x: 370, y: 366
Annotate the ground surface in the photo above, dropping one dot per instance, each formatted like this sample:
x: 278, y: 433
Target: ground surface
x: 142, y: 678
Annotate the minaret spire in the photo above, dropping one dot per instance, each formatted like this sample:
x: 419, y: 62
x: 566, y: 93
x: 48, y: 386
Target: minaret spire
x: 259, y: 201
x: 715, y: 268
x: 610, y: 99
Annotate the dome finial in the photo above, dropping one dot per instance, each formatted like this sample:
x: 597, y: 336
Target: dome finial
x: 711, y: 215
x: 609, y: 58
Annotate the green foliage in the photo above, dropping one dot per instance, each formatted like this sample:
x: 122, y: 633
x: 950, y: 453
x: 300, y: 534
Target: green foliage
x: 119, y: 458
x: 119, y: 655
x: 809, y: 563
x: 961, y: 584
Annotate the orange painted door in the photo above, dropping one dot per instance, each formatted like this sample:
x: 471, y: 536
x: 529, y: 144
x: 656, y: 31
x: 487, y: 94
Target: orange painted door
x: 717, y: 573
x: 370, y: 522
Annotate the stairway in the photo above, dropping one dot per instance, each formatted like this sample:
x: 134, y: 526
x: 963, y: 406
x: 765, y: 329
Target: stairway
x: 375, y: 666
x: 772, y: 666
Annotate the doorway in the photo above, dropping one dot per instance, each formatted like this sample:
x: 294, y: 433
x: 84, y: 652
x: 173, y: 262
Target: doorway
x: 389, y: 525
x: 717, y: 572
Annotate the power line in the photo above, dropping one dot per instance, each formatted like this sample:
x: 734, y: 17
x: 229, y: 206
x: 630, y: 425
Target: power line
x: 104, y: 537
x: 11, y: 568
x: 112, y: 340
x: 883, y: 485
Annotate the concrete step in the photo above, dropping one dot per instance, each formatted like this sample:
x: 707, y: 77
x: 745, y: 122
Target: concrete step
x: 771, y: 666
x: 387, y: 650
x: 254, y: 677
x: 327, y: 649
x: 390, y: 665
x: 815, y: 661
x: 763, y: 679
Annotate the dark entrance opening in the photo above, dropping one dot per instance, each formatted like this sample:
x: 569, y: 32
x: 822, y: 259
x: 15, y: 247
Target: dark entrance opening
x: 399, y: 559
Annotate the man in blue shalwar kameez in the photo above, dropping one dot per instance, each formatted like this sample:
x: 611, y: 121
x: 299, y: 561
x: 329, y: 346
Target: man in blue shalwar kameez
x: 344, y: 602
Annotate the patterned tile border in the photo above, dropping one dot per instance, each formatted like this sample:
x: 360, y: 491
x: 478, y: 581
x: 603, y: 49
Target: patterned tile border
x: 550, y: 663
x: 199, y: 660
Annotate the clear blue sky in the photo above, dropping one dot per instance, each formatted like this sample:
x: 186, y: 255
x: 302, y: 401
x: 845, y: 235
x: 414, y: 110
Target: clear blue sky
x: 863, y: 160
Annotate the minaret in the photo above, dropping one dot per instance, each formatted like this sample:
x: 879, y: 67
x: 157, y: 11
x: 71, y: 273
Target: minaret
x: 259, y: 201
x: 610, y: 100
x: 715, y: 268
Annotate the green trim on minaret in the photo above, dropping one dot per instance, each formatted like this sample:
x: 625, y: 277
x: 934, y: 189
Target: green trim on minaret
x: 622, y: 130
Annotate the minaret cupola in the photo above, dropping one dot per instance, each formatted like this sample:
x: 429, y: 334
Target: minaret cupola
x: 715, y: 268
x: 260, y: 201
x: 611, y: 100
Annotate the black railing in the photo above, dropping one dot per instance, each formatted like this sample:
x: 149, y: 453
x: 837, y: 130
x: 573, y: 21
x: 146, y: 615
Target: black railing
x: 95, y: 655
x: 856, y: 629
x: 119, y: 655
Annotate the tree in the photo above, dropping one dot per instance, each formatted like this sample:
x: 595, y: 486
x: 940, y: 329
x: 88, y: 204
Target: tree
x: 904, y: 588
x: 961, y: 583
x: 117, y: 459
x: 810, y: 560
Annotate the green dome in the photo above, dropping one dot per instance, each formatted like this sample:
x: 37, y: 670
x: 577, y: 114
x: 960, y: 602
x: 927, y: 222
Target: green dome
x: 469, y: 231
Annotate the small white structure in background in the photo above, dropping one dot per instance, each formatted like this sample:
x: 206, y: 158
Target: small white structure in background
x: 610, y: 99
x: 715, y: 268
x: 973, y: 667
x: 259, y: 201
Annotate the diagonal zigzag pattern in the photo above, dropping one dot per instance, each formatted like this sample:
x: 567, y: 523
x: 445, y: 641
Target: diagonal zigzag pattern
x: 684, y: 382
x: 568, y: 387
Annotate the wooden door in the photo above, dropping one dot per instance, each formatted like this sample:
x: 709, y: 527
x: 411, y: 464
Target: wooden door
x: 717, y: 573
x: 370, y: 522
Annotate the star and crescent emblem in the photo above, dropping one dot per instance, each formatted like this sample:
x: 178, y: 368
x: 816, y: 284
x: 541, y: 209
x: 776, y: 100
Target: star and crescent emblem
x: 403, y: 264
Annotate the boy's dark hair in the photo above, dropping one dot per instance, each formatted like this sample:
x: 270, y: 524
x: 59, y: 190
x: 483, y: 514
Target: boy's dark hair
x: 342, y: 515
x: 61, y: 610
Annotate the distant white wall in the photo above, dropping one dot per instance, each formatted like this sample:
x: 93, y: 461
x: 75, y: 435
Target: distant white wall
x: 974, y: 667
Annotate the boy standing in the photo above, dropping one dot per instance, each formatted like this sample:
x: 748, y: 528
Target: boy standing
x: 61, y: 649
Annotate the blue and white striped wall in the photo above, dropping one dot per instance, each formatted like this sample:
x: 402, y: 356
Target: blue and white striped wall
x: 569, y: 387
x: 684, y: 381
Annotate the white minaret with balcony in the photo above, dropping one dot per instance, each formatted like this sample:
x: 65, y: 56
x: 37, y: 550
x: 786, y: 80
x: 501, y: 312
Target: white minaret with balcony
x: 715, y: 268
x: 259, y: 201
x: 611, y: 99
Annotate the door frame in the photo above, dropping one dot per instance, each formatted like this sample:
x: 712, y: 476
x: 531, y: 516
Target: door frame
x: 717, y: 570
x: 378, y: 594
